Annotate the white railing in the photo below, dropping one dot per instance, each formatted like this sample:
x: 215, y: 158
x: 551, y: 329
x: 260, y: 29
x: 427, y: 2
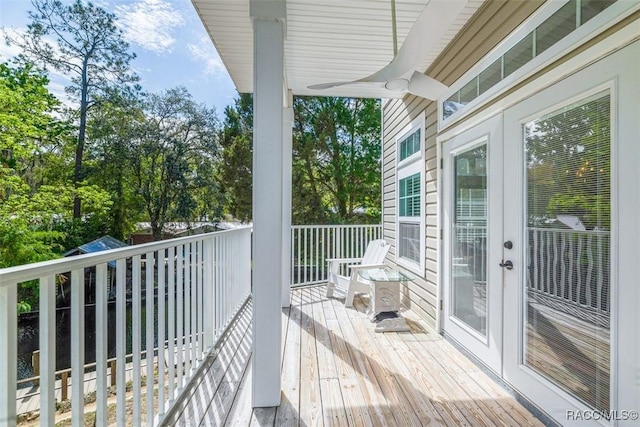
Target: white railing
x: 470, y: 249
x: 570, y: 265
x: 196, y: 283
x: 311, y: 245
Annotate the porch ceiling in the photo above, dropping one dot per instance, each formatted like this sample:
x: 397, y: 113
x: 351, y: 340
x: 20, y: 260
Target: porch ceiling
x: 326, y: 41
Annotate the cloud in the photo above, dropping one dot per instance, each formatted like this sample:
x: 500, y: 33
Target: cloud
x: 205, y: 52
x: 150, y: 24
x: 9, y: 51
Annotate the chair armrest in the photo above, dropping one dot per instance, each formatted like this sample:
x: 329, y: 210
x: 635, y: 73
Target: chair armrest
x: 365, y: 266
x: 343, y: 260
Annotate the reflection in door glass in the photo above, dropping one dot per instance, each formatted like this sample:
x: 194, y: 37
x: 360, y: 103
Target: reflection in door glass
x: 568, y: 219
x: 469, y: 245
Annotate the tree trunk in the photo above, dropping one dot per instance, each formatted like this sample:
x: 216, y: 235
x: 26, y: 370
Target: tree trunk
x: 77, y: 174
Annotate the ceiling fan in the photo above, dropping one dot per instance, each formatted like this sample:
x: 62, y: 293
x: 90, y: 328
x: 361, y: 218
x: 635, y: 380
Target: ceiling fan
x: 401, y: 74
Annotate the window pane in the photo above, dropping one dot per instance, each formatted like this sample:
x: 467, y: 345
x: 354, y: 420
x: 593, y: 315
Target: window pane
x: 409, y: 241
x: 469, y: 246
x: 451, y: 105
x: 490, y: 76
x: 518, y: 55
x: 469, y: 92
x: 410, y: 145
x: 591, y: 8
x: 556, y: 27
x: 409, y: 199
x: 568, y: 217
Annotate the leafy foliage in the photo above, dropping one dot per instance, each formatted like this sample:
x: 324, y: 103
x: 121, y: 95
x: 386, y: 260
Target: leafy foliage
x: 236, y: 156
x: 569, y: 165
x: 89, y: 48
x: 172, y: 158
x: 336, y: 166
x: 336, y: 160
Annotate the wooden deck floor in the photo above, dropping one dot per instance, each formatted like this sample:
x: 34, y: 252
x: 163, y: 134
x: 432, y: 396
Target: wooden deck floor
x: 338, y: 372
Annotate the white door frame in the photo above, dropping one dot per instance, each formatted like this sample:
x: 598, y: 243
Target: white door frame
x: 487, y: 348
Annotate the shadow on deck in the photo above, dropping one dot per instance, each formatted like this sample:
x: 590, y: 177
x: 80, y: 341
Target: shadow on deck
x: 337, y: 371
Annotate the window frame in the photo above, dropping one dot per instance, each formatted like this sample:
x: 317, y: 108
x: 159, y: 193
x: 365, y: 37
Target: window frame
x: 414, y: 164
x: 614, y: 13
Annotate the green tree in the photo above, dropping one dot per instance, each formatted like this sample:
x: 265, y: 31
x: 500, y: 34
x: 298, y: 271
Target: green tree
x: 89, y: 48
x: 233, y: 171
x: 172, y: 159
x: 26, y: 211
x: 112, y: 129
x: 336, y: 170
x: 336, y: 160
x: 569, y: 167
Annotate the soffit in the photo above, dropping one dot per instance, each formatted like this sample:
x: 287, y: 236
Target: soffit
x: 326, y: 41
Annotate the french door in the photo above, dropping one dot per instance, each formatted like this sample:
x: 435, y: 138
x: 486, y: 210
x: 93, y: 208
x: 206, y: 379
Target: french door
x: 472, y: 214
x: 540, y: 212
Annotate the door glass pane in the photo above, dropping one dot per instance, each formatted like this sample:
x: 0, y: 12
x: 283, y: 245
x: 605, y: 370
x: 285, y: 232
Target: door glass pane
x: 469, y: 245
x: 568, y: 217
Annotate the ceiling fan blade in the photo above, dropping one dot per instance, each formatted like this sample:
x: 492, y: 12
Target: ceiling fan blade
x: 425, y: 86
x: 432, y: 23
x: 324, y: 86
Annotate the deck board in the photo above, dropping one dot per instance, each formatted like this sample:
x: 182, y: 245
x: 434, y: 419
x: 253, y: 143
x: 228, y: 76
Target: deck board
x: 337, y: 371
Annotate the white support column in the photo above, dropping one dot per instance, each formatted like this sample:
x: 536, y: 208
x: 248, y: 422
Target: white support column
x: 287, y: 152
x: 268, y: 68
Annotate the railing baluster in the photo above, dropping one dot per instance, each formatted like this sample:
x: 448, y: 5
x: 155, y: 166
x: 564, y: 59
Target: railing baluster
x: 588, y: 287
x: 135, y: 333
x: 535, y: 262
x: 600, y: 280
x: 8, y: 352
x: 102, y: 350
x: 570, y: 275
x: 193, y: 304
x: 298, y: 276
x: 171, y: 342
x: 180, y: 316
x: 225, y: 289
x: 200, y: 300
x: 187, y: 312
x: 579, y: 270
x: 216, y: 282
x: 47, y: 350
x: 121, y: 341
x: 563, y: 267
x: 548, y: 262
x: 556, y: 259
x: 223, y: 280
x: 209, y: 332
x: 77, y: 348
x: 305, y: 256
x: 161, y: 329
x: 149, y: 339
x: 293, y: 256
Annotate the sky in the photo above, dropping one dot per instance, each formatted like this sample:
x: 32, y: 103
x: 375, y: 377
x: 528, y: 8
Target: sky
x: 171, y: 44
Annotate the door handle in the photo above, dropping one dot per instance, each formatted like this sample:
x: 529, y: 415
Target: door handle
x: 507, y: 264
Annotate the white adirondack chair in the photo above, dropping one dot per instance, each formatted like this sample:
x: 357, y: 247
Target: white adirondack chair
x: 348, y: 286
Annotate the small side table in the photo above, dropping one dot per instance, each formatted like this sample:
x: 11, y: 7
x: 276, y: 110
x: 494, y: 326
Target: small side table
x: 385, y: 297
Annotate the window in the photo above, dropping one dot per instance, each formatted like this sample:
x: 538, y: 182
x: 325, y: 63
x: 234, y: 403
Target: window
x: 562, y: 22
x: 410, y: 145
x: 410, y: 195
x: 409, y: 192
